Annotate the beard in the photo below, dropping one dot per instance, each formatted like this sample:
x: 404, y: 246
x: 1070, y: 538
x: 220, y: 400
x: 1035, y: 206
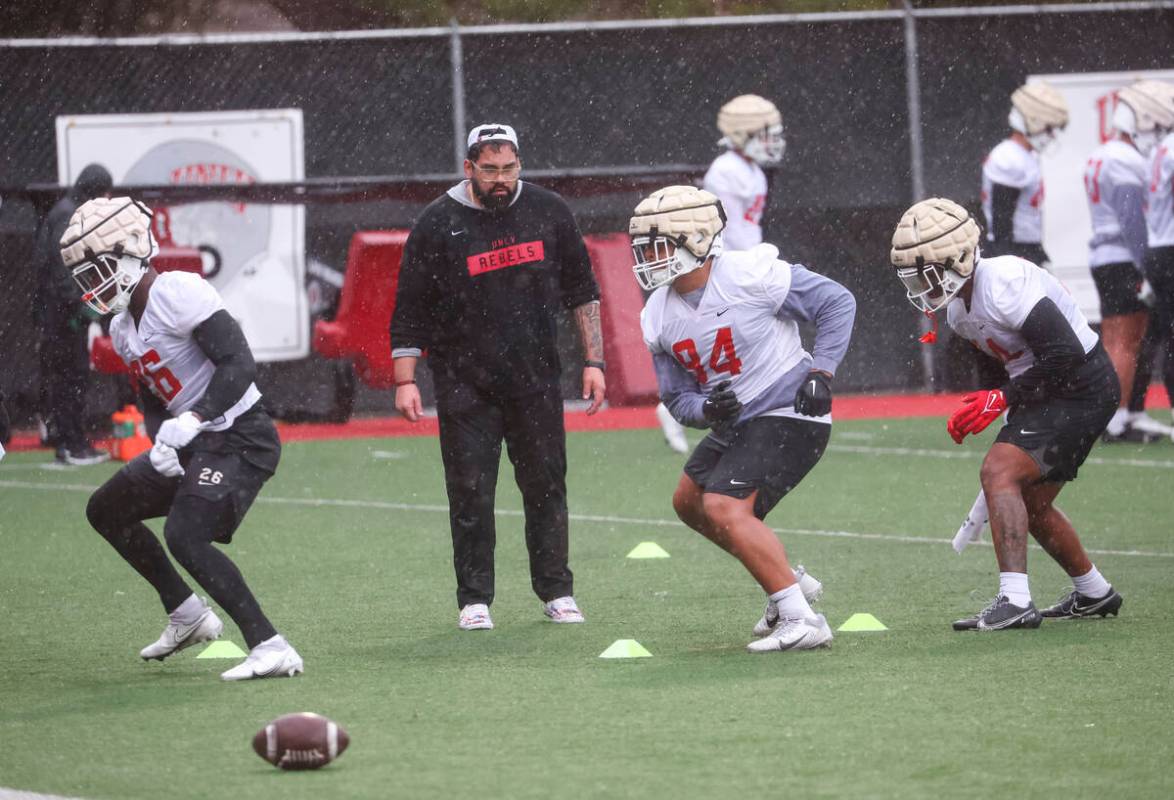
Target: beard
x: 495, y: 202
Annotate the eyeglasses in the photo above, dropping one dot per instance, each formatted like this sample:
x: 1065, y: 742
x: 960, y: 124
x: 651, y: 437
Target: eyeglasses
x: 494, y: 173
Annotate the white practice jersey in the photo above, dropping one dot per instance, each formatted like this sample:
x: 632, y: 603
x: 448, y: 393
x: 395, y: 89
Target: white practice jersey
x: 1159, y: 216
x: 1006, y: 289
x: 741, y: 186
x: 1114, y: 176
x: 1010, y: 164
x: 161, y: 351
x: 734, y: 333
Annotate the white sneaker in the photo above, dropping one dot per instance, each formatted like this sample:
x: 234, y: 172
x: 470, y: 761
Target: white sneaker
x: 563, y: 610
x: 176, y: 637
x: 475, y: 617
x: 812, y: 590
x: 674, y: 432
x: 273, y: 658
x: 795, y: 634
x: 1141, y: 421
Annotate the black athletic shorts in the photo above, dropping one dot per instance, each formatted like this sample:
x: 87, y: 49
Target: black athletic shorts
x: 1059, y: 433
x: 219, y: 483
x: 1117, y: 285
x: 769, y: 455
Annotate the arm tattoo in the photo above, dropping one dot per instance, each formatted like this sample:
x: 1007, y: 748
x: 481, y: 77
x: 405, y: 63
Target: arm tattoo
x: 590, y: 330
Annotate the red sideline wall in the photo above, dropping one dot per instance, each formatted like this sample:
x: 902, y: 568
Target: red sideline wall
x: 630, y: 378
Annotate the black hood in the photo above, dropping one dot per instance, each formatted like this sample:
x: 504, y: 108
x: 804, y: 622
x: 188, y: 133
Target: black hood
x: 94, y: 181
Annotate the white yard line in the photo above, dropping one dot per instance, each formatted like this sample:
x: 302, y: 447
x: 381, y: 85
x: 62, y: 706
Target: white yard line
x: 18, y: 794
x: 385, y: 505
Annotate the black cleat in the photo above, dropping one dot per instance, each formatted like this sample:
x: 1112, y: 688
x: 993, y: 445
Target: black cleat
x: 1077, y: 605
x: 1000, y: 615
x: 1131, y: 435
x: 83, y: 456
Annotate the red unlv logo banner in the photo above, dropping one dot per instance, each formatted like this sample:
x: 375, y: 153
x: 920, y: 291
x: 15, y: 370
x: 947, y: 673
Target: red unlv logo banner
x: 506, y: 257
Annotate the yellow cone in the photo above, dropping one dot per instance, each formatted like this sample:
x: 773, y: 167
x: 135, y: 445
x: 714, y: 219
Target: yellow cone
x: 862, y: 622
x: 222, y: 649
x: 625, y: 648
x: 648, y: 550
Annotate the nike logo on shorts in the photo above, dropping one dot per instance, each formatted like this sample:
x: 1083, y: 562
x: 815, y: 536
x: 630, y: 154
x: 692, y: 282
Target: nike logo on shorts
x: 739, y: 483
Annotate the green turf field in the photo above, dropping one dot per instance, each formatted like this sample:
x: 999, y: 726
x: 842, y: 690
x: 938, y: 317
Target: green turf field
x: 348, y: 552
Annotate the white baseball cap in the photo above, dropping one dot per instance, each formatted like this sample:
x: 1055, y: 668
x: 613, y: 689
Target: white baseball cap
x: 493, y: 132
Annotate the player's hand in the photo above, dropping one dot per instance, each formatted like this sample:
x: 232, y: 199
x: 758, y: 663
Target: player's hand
x: 407, y: 402
x: 814, y: 398
x: 594, y: 388
x: 979, y: 409
x: 178, y: 432
x: 165, y: 460
x: 721, y: 405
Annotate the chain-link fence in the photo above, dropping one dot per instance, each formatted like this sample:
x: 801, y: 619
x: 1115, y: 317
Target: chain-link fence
x: 598, y: 98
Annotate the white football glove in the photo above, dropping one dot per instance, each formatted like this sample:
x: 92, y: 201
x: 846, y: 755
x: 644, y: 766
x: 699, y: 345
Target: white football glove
x: 179, y: 431
x: 165, y: 460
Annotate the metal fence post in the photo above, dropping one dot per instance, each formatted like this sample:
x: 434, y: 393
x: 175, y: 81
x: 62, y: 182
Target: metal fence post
x: 916, y: 165
x: 457, y: 58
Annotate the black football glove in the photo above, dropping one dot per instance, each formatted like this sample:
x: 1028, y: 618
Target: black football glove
x: 721, y: 405
x: 814, y: 398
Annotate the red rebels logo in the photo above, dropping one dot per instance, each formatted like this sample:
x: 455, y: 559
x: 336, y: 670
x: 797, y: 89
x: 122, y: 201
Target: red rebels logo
x: 506, y: 257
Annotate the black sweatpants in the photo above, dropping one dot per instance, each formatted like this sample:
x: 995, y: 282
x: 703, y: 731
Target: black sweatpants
x: 472, y: 427
x: 65, y: 375
x: 222, y: 477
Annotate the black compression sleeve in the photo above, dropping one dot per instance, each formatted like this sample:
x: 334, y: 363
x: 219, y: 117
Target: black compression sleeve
x: 1003, y: 200
x: 1057, y: 352
x: 223, y: 341
x: 154, y: 412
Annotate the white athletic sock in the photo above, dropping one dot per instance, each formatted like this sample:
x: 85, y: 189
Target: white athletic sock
x: 188, y: 611
x: 1092, y: 583
x: 1117, y: 424
x: 791, y: 603
x: 1013, y: 586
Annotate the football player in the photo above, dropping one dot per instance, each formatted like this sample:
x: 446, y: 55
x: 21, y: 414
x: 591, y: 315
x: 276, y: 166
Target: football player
x: 1115, y: 179
x: 723, y: 329
x: 1012, y: 184
x: 1159, y: 266
x: 1061, y: 393
x: 214, y: 445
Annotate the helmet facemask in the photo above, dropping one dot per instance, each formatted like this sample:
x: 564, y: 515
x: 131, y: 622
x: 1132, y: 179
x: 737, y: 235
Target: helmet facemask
x: 766, y: 147
x: 659, y: 260
x: 930, y: 287
x: 108, y: 280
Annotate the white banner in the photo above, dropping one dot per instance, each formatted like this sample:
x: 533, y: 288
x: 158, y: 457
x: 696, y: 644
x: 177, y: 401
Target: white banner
x: 253, y: 254
x: 1091, y: 100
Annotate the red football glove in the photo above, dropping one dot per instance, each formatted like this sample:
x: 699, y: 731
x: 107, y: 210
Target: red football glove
x: 979, y: 409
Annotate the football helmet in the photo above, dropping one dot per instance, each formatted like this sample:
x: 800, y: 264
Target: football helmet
x: 935, y: 248
x: 108, y: 246
x: 1145, y: 111
x: 1039, y: 112
x: 674, y: 230
x: 753, y: 126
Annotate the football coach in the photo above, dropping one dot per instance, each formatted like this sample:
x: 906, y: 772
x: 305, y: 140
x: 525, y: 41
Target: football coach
x: 484, y: 272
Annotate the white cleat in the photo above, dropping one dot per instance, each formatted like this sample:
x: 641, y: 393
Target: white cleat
x: 674, y: 432
x: 795, y: 634
x: 563, y: 610
x: 475, y: 617
x: 176, y: 637
x: 812, y: 590
x: 273, y: 658
x: 1141, y: 421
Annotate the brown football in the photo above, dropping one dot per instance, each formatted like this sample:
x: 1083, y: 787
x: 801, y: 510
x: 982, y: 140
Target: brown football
x: 301, y: 741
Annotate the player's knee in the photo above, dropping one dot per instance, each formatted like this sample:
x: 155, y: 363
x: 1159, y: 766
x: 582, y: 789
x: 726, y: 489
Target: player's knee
x: 686, y: 505
x: 723, y: 510
x: 98, y: 513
